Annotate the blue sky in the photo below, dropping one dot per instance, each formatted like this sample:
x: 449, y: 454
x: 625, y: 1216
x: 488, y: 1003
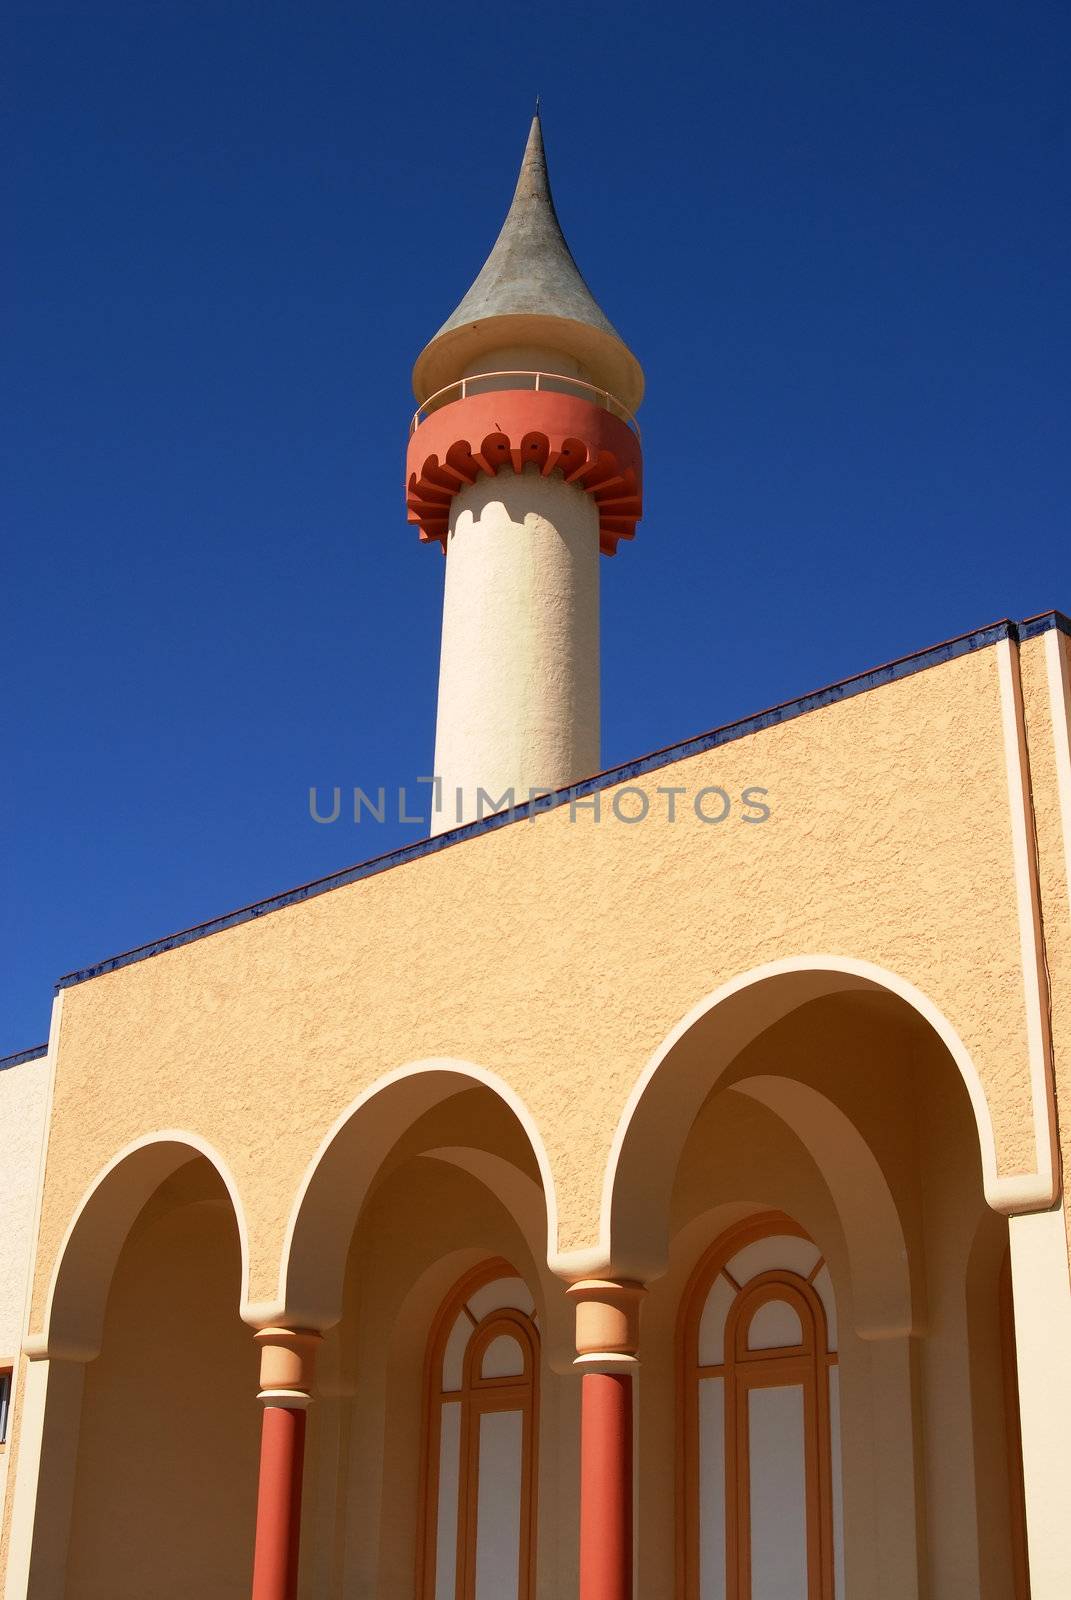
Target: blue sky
x: 836, y: 236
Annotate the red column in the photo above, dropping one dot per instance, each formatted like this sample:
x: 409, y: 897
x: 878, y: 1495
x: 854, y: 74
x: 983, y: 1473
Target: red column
x: 282, y: 1457
x: 606, y: 1486
x: 607, y: 1342
x: 287, y: 1356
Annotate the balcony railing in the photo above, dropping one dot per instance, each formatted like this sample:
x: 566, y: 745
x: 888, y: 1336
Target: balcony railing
x: 554, y: 382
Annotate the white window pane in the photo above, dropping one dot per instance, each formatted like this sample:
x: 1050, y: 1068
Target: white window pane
x: 774, y: 1326
x: 823, y: 1284
x: 502, y: 1294
x: 712, y: 1323
x: 454, y: 1354
x: 838, y: 1483
x: 711, y: 1489
x: 503, y: 1358
x: 498, y: 1516
x: 446, y: 1522
x: 766, y: 1255
x: 778, y: 1494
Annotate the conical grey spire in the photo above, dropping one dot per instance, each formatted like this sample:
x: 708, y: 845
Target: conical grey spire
x: 530, y: 292
x: 530, y: 270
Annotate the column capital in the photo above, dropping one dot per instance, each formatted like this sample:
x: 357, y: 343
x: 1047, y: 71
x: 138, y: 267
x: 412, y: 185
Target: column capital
x: 287, y: 1365
x: 607, y: 1322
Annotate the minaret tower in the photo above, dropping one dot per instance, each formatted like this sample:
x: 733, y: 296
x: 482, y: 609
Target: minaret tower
x: 524, y: 463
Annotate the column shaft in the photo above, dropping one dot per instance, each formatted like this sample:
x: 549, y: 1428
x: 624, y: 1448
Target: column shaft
x: 278, y: 1537
x: 518, y: 706
x: 287, y: 1359
x: 607, y: 1339
x: 606, y: 1486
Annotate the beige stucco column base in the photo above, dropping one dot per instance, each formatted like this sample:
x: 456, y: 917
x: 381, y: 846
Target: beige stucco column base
x: 1042, y: 1297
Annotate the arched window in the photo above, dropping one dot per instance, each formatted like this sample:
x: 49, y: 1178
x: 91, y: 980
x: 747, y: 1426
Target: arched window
x: 480, y: 1440
x: 760, y: 1491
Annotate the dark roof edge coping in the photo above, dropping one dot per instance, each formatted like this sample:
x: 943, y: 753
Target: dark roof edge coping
x: 787, y: 711
x: 34, y: 1053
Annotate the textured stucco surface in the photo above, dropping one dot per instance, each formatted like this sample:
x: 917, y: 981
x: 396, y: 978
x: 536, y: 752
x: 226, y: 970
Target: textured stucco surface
x: 190, y: 1442
x: 23, y: 1097
x: 1047, y: 742
x: 560, y: 954
x: 23, y: 1092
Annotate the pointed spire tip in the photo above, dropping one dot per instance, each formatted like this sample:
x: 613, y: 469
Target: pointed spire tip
x: 530, y: 274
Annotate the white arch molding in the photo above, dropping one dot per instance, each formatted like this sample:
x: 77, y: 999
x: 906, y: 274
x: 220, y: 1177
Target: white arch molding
x: 85, y: 1262
x: 339, y: 1176
x: 633, y: 1220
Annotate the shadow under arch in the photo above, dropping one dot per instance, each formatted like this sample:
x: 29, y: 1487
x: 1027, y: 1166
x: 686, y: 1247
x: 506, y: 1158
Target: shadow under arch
x: 634, y: 1216
x: 85, y: 1262
x: 337, y: 1181
x: 869, y: 1217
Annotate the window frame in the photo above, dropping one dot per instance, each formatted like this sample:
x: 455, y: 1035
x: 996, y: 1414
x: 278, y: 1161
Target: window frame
x: 477, y: 1397
x: 741, y: 1370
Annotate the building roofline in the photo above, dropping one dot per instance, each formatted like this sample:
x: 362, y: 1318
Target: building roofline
x: 902, y: 667
x: 34, y: 1053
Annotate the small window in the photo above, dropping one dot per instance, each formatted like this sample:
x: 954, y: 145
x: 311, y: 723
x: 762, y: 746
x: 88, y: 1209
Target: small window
x: 5, y: 1402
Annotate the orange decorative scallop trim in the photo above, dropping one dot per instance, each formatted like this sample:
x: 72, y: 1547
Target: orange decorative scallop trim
x: 516, y: 428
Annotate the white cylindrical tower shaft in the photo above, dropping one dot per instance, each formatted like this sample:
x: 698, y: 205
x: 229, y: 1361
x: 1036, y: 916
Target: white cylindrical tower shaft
x: 525, y: 464
x: 518, y: 707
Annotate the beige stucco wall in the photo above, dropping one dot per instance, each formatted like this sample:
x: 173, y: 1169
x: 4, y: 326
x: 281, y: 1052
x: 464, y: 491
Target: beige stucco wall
x: 919, y: 1469
x: 1046, y: 674
x: 559, y: 954
x: 165, y: 1494
x: 23, y: 1099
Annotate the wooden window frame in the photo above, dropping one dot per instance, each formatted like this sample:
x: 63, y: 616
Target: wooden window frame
x: 477, y: 1397
x: 806, y: 1365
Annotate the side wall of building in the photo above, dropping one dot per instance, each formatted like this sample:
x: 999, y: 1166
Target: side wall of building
x: 23, y: 1099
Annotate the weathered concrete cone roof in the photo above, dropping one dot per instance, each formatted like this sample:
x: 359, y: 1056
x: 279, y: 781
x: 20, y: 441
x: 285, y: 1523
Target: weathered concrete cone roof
x: 530, y: 292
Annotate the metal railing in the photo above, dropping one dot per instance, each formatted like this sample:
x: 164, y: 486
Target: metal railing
x: 551, y: 382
